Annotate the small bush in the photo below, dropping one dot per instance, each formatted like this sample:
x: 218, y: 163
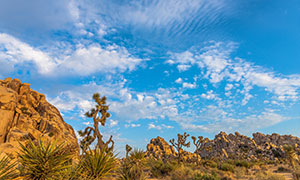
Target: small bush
x: 243, y: 163
x: 98, y: 163
x: 182, y: 173
x: 160, y: 169
x: 209, y: 163
x: 296, y: 174
x: 206, y: 177
x: 268, y: 176
x: 226, y: 167
x: 283, y: 169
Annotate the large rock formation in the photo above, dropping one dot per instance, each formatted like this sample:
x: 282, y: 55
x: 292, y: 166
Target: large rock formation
x: 25, y: 114
x: 232, y: 146
x: 158, y: 148
x: 237, y: 146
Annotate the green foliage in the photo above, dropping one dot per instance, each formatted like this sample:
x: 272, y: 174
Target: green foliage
x: 283, y: 169
x: 7, y: 169
x: 226, y: 167
x: 296, y: 174
x: 44, y: 161
x: 98, y: 163
x: 133, y: 167
x: 242, y: 163
x: 268, y: 176
x: 158, y: 168
x: 199, y: 176
x: 182, y: 173
x: 291, y: 155
x: 209, y: 163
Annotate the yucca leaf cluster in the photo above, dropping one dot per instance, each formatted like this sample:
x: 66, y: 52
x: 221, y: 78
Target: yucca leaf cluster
x: 43, y: 161
x: 7, y: 168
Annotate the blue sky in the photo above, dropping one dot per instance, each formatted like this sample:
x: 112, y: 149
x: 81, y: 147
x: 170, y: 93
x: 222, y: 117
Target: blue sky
x: 200, y: 66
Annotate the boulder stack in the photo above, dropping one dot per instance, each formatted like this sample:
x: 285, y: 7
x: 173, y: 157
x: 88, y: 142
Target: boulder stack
x: 26, y: 114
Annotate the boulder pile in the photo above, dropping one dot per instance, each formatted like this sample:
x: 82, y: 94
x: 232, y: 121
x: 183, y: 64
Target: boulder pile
x: 26, y: 114
x: 232, y: 146
x: 237, y: 146
x: 158, y: 148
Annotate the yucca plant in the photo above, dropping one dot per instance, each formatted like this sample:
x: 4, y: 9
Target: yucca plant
x: 98, y: 163
x: 133, y: 167
x: 44, y: 161
x: 7, y: 169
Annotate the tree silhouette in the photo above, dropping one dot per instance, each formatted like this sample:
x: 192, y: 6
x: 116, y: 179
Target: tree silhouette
x: 128, y: 149
x: 90, y: 134
x: 198, y: 142
x: 181, y: 142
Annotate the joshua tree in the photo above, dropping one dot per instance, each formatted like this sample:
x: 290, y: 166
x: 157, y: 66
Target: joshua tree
x: 198, y: 142
x: 291, y: 155
x: 128, y: 149
x: 181, y: 142
x: 99, y: 115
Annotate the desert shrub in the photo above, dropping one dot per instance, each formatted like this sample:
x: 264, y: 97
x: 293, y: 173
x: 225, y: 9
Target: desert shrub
x: 7, y: 169
x: 43, y: 160
x: 200, y: 176
x: 209, y: 163
x: 159, y: 169
x: 296, y: 174
x: 268, y: 176
x: 226, y: 167
x: 283, y: 169
x: 240, y: 172
x: 133, y: 167
x: 130, y: 171
x: 182, y: 173
x: 242, y: 163
x: 98, y: 163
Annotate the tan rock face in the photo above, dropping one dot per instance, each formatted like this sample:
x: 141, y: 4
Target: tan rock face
x: 158, y: 148
x: 25, y: 114
x: 237, y: 146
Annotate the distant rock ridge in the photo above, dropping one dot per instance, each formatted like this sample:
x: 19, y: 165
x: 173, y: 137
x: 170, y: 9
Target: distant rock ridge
x: 25, y: 113
x: 231, y: 146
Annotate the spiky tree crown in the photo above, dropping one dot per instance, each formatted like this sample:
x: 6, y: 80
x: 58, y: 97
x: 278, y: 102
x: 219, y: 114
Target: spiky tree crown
x: 99, y: 115
x: 198, y: 142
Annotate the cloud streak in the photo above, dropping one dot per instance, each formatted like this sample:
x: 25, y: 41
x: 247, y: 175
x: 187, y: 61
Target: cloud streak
x: 84, y: 60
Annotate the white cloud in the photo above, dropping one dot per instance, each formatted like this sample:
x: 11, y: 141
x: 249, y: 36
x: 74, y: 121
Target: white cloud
x: 159, y: 127
x: 178, y: 81
x: 15, y: 51
x: 84, y: 60
x: 152, y: 126
x: 209, y: 95
x: 113, y: 123
x: 132, y: 125
x: 247, y: 124
x: 215, y: 62
x: 189, y: 85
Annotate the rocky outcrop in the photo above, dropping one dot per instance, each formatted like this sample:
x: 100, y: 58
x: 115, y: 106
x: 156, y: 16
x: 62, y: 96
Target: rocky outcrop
x: 232, y: 146
x: 237, y: 146
x: 25, y: 113
x: 158, y: 148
